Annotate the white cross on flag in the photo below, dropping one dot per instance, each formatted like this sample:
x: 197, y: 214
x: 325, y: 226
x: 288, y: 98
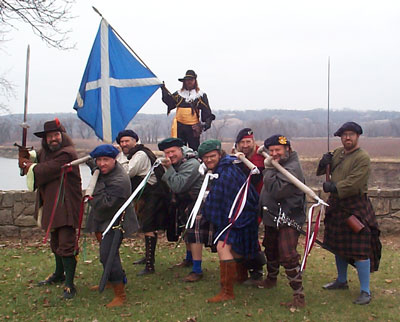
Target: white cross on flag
x: 114, y: 87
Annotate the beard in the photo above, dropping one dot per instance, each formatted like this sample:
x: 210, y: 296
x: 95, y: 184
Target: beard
x: 54, y: 148
x: 284, y: 157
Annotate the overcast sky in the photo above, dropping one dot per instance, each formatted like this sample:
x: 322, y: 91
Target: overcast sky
x: 247, y: 54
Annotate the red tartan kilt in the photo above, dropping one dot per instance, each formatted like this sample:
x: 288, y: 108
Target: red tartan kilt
x: 201, y: 233
x: 339, y: 236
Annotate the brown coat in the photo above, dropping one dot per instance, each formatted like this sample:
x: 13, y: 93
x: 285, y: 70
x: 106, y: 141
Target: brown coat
x: 47, y: 179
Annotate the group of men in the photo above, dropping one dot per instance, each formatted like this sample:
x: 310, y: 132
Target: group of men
x: 202, y: 184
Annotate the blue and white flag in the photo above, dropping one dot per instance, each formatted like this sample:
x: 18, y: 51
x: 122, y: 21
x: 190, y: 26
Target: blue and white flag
x: 114, y: 87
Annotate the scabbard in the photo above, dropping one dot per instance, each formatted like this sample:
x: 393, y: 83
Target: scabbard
x: 110, y: 259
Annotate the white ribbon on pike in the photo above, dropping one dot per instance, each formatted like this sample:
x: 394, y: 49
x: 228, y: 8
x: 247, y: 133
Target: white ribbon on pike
x: 310, y: 237
x: 133, y: 195
x: 199, y: 200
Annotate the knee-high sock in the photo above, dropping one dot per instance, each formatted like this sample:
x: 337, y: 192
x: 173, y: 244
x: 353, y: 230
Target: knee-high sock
x: 363, y: 270
x: 189, y: 257
x: 197, y: 267
x: 341, y: 266
x: 59, y: 266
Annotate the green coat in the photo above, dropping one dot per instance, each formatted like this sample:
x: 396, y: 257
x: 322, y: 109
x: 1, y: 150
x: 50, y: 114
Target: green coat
x: 350, y: 172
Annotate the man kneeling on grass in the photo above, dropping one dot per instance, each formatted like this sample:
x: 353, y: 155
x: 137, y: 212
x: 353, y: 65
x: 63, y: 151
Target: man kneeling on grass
x: 112, y: 189
x: 241, y: 239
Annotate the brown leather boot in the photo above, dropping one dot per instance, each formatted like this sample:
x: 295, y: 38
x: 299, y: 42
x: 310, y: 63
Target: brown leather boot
x: 267, y: 283
x: 241, y: 272
x: 120, y: 295
x: 228, y: 277
x: 297, y: 302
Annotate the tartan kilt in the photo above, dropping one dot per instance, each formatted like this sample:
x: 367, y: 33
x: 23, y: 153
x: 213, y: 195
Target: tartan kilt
x: 342, y: 240
x: 244, y: 240
x: 152, y: 208
x: 201, y: 233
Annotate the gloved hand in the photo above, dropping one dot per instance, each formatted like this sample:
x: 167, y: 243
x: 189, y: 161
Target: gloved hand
x: 325, y: 160
x: 207, y: 124
x: 91, y: 163
x: 329, y: 186
x: 163, y: 88
x: 23, y: 153
x: 24, y: 164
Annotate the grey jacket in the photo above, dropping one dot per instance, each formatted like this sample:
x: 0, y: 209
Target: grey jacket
x: 279, y: 192
x: 111, y: 192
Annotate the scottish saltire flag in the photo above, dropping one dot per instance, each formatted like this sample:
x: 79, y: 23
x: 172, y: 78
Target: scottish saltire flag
x: 114, y: 87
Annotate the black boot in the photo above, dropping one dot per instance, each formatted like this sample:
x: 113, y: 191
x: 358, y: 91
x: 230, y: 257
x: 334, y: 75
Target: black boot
x: 58, y: 276
x: 69, y: 266
x: 150, y: 243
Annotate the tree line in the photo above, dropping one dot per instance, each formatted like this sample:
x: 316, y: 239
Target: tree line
x: 151, y: 128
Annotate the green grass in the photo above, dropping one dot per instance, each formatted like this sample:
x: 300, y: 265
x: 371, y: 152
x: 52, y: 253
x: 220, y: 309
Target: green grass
x: 164, y: 297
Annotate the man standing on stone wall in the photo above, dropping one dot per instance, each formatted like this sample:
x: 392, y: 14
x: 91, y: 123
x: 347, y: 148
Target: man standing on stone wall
x: 43, y: 171
x: 191, y: 105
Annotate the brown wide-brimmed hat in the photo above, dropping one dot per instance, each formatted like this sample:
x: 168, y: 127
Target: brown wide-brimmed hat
x: 50, y: 126
x: 190, y: 74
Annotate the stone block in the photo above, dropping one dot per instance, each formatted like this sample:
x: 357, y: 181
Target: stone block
x: 381, y: 206
x: 29, y: 196
x: 8, y: 199
x: 395, y: 203
x: 6, y: 217
x: 9, y: 231
x: 373, y: 192
x: 30, y: 210
x: 18, y: 195
x: 395, y: 215
x: 18, y: 209
x: 25, y: 221
x: 30, y: 233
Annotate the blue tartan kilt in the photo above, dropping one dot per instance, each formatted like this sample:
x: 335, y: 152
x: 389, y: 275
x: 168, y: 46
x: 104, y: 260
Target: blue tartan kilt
x: 244, y: 240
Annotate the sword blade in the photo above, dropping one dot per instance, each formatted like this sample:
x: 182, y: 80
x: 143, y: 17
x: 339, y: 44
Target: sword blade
x: 24, y: 127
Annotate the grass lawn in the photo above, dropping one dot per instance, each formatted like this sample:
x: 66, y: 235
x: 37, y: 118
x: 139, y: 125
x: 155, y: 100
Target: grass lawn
x: 164, y: 297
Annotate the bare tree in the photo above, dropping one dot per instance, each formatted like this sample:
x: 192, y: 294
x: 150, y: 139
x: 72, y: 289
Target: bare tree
x: 44, y: 17
x: 6, y: 91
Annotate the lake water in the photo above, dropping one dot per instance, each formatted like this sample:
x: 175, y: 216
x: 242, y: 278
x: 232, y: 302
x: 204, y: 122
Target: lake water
x: 11, y: 180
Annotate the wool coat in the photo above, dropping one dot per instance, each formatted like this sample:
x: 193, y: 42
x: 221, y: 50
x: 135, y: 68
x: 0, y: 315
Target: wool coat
x: 350, y: 173
x: 47, y: 178
x: 278, y: 192
x: 111, y: 192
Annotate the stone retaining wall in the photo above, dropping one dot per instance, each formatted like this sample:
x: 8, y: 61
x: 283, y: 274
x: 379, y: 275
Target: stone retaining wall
x: 17, y: 209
